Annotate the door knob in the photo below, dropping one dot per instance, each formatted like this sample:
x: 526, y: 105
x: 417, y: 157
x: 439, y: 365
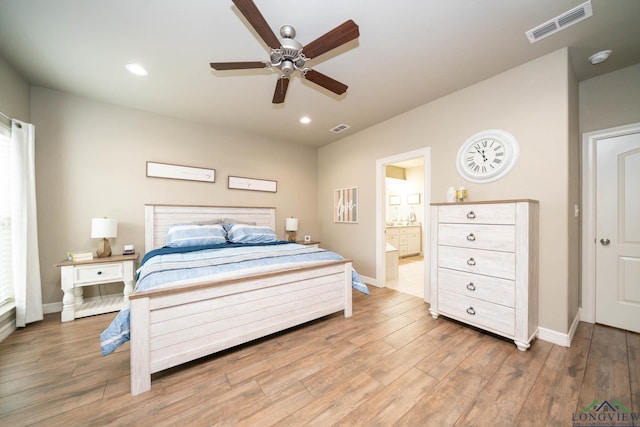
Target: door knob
x: 605, y: 242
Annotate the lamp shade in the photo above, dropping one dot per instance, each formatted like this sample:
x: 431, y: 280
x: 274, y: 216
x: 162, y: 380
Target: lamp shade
x: 291, y: 224
x: 104, y: 228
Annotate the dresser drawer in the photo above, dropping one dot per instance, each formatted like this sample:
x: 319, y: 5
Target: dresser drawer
x: 478, y: 214
x: 486, y: 315
x: 478, y: 236
x: 488, y: 263
x: 492, y: 289
x: 99, y: 273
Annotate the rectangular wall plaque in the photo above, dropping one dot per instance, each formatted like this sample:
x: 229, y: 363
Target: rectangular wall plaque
x: 413, y: 199
x: 345, y: 205
x: 240, y: 183
x: 189, y: 173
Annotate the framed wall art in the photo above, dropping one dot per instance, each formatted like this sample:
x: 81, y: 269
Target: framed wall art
x: 394, y: 200
x: 188, y: 173
x: 413, y: 199
x: 252, y: 184
x: 345, y: 205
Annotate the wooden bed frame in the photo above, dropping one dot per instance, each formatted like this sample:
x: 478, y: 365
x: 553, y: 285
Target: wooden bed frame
x: 174, y: 325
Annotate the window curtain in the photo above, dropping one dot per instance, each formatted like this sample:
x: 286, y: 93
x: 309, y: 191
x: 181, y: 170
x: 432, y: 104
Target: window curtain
x: 24, y: 225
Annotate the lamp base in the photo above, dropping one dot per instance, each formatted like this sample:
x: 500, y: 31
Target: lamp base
x: 291, y: 236
x: 104, y: 249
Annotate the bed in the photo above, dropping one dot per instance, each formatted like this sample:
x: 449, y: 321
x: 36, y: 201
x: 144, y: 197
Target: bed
x: 171, y: 320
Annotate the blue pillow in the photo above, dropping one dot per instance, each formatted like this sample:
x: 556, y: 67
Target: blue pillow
x: 243, y: 233
x: 184, y: 235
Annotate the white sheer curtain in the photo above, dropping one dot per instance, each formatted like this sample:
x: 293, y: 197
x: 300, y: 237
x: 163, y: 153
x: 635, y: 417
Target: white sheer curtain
x: 24, y: 225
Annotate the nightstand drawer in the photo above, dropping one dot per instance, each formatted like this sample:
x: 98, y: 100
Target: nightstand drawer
x: 483, y: 314
x: 105, y: 273
x: 478, y: 236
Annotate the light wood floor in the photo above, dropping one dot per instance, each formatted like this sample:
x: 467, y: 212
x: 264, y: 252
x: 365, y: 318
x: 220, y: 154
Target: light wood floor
x: 410, y: 278
x: 390, y: 364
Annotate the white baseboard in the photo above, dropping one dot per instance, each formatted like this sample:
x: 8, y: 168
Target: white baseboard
x: 54, y: 307
x: 560, y: 338
x: 369, y: 281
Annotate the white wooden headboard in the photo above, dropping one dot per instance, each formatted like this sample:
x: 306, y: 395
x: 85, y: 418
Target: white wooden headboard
x: 159, y: 217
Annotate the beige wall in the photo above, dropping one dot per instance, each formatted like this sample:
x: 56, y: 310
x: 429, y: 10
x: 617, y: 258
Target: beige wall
x: 610, y: 100
x: 90, y: 162
x: 530, y: 101
x: 14, y: 93
x: 573, y: 195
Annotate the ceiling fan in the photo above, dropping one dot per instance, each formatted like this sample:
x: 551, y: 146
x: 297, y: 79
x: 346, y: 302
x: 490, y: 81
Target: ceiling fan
x: 288, y: 55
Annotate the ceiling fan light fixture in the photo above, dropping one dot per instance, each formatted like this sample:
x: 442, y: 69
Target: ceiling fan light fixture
x: 136, y: 69
x: 599, y: 57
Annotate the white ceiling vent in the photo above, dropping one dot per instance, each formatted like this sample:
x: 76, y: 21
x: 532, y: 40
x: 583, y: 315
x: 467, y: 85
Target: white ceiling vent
x: 339, y: 128
x: 560, y: 22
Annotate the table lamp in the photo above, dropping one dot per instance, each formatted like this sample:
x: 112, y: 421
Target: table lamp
x: 104, y: 228
x: 291, y: 226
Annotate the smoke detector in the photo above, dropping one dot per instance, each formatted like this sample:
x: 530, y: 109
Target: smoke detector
x: 599, y: 57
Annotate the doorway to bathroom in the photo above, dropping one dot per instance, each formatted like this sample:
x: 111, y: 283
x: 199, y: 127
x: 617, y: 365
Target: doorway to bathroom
x: 402, y: 219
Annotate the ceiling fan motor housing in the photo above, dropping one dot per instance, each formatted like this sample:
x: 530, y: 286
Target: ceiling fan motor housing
x: 289, y: 57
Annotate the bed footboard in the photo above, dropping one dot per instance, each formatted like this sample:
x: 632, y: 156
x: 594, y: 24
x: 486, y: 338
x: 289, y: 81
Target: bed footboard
x: 173, y: 326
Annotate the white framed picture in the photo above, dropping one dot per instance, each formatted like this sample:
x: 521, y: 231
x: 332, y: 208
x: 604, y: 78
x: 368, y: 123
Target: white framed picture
x: 345, y: 205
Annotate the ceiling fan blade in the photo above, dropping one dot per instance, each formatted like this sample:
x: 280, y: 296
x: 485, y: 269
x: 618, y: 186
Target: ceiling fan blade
x: 257, y: 21
x: 337, y: 37
x: 224, y: 66
x: 281, y: 90
x: 326, y: 82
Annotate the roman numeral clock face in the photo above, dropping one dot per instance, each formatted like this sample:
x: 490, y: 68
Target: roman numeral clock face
x: 487, y: 156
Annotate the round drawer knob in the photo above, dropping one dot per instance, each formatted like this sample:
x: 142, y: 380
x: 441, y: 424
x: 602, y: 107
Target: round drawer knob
x: 471, y: 237
x: 471, y: 286
x: 471, y: 311
x: 471, y: 262
x: 99, y: 273
x: 471, y: 215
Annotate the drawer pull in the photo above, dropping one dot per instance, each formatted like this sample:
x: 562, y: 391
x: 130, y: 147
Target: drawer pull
x: 471, y: 311
x: 471, y: 237
x: 471, y: 262
x: 471, y: 286
x: 471, y: 215
x: 99, y: 273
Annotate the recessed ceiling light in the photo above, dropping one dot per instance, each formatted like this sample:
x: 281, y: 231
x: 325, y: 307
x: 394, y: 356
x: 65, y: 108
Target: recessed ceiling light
x: 305, y: 120
x: 136, y: 69
x: 599, y: 57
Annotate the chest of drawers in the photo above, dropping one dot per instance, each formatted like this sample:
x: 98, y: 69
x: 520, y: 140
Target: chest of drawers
x: 484, y: 266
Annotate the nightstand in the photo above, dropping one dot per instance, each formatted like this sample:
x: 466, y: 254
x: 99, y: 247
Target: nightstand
x: 313, y: 243
x: 98, y: 271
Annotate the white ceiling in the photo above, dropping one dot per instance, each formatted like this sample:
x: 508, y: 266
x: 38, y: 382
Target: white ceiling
x: 409, y: 52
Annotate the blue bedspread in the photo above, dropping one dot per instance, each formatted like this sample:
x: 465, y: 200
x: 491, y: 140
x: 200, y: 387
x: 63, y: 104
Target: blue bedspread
x: 169, y: 266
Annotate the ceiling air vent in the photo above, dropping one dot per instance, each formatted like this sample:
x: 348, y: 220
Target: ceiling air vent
x: 339, y: 128
x: 560, y: 22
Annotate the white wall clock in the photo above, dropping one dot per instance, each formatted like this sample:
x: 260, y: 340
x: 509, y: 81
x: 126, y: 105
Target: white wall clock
x: 487, y: 156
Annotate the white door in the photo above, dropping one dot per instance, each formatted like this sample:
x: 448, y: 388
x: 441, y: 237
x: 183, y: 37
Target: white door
x: 618, y: 232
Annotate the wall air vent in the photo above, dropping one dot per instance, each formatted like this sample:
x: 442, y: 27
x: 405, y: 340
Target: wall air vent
x: 339, y: 128
x: 560, y: 22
